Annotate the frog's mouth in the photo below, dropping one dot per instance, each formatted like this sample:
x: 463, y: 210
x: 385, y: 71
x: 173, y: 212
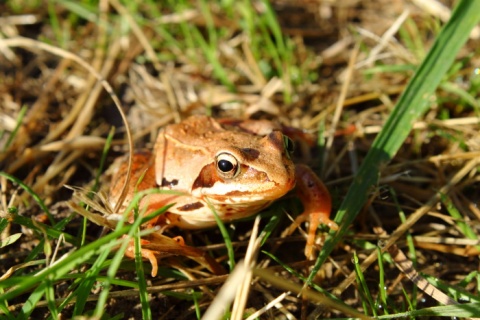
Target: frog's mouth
x: 245, y: 193
x: 244, y: 196
x: 249, y: 186
x: 226, y: 211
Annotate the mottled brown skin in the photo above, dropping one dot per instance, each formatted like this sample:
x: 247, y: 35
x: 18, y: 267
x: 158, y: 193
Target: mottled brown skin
x: 238, y: 168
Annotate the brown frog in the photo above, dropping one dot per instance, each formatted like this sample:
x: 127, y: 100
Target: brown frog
x: 234, y: 168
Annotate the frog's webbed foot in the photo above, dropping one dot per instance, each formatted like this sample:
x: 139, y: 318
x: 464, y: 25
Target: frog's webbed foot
x: 317, y: 205
x: 156, y: 246
x: 145, y: 253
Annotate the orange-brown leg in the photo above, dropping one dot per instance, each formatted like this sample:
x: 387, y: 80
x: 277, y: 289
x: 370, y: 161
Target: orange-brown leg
x: 145, y: 253
x: 157, y: 245
x: 160, y: 245
x: 317, y: 205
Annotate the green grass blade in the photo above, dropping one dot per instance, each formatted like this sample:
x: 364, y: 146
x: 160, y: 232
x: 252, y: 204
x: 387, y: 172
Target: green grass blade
x: 5, y: 311
x: 462, y: 94
x: 30, y: 304
x: 412, y: 253
x: 211, y: 30
x: 19, y: 122
x: 457, y: 291
x: 90, y: 278
x: 211, y: 55
x: 62, y: 267
x: 10, y: 239
x: 412, y: 104
x: 467, y: 310
x: 274, y: 26
x: 382, y: 299
x: 462, y: 225
x: 103, y: 159
x: 272, y: 223
x: 51, y: 232
x: 82, y: 9
x: 226, y: 238
x: 366, y: 297
x: 118, y: 257
x: 50, y: 296
x: 3, y: 224
x: 32, y: 193
x: 82, y: 292
x: 142, y: 282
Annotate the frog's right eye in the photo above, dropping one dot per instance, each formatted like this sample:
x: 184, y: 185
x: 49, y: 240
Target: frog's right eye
x: 288, y: 144
x: 227, y: 165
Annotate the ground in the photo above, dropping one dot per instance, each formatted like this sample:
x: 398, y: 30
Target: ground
x: 334, y: 70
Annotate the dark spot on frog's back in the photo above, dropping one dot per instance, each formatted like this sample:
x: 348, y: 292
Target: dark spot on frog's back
x: 191, y: 206
x: 250, y: 154
x: 166, y: 183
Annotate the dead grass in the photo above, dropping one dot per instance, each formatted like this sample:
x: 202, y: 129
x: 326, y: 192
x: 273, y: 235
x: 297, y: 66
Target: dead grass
x: 315, y: 84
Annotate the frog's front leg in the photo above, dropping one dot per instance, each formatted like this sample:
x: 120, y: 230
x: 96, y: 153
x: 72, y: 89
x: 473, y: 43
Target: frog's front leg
x: 154, y: 246
x: 317, y: 205
x: 144, y: 253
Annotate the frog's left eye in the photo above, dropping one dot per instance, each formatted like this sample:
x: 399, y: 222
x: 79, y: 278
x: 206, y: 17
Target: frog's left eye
x: 227, y: 165
x: 289, y: 145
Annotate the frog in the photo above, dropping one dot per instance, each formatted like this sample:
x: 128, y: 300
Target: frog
x: 227, y: 168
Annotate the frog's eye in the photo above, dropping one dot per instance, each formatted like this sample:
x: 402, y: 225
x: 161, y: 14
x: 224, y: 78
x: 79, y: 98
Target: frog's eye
x: 227, y: 165
x: 289, y: 145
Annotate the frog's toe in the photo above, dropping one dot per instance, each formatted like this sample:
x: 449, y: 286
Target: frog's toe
x: 150, y: 256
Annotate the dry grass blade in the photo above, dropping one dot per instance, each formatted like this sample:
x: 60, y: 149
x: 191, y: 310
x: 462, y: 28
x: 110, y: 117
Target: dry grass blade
x: 306, y: 293
x: 412, y: 104
x: 251, y: 255
x: 412, y: 219
x: 138, y: 33
x: 406, y: 266
x: 341, y: 101
x: 237, y: 286
x: 35, y: 45
x: 436, y: 8
x: 227, y: 293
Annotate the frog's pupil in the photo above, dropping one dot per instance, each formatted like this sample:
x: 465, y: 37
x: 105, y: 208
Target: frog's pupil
x: 225, y: 165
